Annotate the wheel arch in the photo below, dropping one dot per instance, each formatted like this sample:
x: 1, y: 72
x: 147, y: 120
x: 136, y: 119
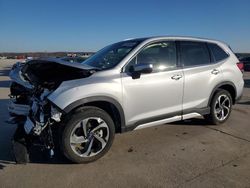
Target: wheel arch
x: 108, y: 104
x: 228, y: 86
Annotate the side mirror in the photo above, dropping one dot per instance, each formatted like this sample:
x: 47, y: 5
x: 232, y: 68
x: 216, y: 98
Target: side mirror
x: 137, y: 70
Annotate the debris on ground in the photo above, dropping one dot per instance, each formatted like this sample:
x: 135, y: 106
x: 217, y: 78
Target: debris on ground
x: 131, y: 149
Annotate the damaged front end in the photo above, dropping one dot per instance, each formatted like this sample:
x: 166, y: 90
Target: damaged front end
x: 41, y: 114
x: 36, y: 117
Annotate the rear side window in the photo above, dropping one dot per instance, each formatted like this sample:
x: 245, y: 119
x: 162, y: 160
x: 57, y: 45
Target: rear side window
x: 194, y: 53
x: 217, y: 52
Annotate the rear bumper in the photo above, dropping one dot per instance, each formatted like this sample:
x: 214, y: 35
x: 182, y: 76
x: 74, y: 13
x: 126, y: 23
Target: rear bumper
x: 239, y: 91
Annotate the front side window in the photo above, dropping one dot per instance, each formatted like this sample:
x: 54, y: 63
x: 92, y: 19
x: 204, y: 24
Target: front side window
x: 161, y: 55
x: 217, y: 52
x: 194, y: 53
x: 111, y: 55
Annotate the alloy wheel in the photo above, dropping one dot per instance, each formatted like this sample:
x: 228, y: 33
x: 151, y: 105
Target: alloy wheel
x: 89, y: 137
x: 222, y: 107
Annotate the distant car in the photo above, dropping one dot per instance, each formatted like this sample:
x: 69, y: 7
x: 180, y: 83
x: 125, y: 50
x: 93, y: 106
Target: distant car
x: 246, y: 62
x: 74, y: 59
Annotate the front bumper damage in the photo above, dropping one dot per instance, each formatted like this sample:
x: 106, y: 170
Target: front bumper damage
x: 34, y: 120
x: 36, y: 117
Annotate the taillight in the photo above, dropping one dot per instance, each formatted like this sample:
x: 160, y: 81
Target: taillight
x: 240, y: 65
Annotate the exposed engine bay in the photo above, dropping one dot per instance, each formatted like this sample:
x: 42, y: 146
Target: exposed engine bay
x: 36, y: 117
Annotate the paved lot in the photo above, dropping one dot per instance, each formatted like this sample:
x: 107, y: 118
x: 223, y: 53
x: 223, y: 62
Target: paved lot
x: 184, y: 154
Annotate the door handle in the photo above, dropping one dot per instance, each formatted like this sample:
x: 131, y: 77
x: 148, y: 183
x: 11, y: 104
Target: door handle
x: 215, y: 71
x: 176, y: 77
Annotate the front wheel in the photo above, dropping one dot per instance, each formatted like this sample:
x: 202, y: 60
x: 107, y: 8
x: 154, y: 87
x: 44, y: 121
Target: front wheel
x: 221, y: 107
x: 88, y: 135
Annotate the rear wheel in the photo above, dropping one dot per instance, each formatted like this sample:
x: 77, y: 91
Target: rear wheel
x: 221, y: 107
x: 88, y: 135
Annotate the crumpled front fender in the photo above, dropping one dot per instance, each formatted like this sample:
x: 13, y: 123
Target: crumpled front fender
x: 77, y: 90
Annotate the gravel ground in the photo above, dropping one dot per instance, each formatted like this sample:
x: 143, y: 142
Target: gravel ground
x: 183, y: 154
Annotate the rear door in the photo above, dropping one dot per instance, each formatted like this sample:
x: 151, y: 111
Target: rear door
x: 201, y: 75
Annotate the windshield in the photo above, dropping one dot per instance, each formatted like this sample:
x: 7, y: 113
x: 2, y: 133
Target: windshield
x: 111, y: 55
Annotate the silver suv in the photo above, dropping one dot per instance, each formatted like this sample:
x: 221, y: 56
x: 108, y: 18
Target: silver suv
x: 128, y: 85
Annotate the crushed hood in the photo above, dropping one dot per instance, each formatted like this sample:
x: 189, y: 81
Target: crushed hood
x: 51, y: 72
x: 62, y: 62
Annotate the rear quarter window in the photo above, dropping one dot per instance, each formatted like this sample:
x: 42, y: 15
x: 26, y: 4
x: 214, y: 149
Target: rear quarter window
x: 218, y: 53
x: 194, y: 53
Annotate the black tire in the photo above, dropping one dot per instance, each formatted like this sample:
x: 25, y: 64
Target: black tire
x: 72, y: 122
x: 212, y: 117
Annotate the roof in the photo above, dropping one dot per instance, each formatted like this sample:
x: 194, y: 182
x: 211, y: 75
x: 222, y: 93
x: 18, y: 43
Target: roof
x: 176, y: 38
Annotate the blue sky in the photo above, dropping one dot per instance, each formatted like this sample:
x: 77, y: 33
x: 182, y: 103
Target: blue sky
x: 78, y: 25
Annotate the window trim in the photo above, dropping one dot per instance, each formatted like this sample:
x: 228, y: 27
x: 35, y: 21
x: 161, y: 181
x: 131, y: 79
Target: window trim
x: 212, y: 58
x: 123, y: 69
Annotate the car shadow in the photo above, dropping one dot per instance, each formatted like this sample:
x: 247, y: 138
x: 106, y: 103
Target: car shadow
x: 192, y: 122
x: 40, y: 156
x: 4, y: 164
x: 244, y: 102
x: 36, y: 156
x: 6, y: 132
x: 1, y: 166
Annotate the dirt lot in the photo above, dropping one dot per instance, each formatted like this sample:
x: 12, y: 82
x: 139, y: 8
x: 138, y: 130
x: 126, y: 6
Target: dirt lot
x: 183, y: 154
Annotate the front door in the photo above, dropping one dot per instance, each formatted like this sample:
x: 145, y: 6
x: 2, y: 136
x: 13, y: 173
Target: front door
x: 157, y: 95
